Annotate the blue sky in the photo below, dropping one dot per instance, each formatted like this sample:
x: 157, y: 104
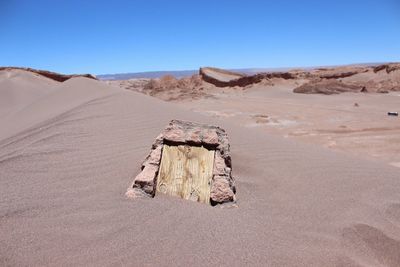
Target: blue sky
x: 76, y: 36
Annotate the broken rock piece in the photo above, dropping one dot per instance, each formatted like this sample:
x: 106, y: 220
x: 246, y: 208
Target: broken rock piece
x: 188, y: 160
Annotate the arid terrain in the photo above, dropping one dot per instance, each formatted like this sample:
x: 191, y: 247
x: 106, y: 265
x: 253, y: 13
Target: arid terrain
x: 353, y: 118
x: 315, y: 157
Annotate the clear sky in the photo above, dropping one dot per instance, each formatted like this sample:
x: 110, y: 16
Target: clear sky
x: 75, y: 36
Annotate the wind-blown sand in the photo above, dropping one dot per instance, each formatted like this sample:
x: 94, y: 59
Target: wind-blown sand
x: 68, y: 151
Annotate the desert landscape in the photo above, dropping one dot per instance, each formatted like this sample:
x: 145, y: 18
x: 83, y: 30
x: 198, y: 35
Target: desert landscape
x: 315, y: 158
x: 294, y: 104
x: 200, y: 133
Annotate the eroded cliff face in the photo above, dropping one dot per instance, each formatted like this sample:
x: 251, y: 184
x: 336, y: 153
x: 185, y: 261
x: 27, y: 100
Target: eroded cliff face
x: 220, y: 77
x: 51, y: 75
x: 327, y: 87
x: 377, y: 79
x: 387, y: 67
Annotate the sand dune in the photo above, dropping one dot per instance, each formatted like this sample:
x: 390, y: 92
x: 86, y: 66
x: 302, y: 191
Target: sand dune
x: 19, y: 88
x: 48, y: 74
x: 48, y: 103
x: 70, y: 150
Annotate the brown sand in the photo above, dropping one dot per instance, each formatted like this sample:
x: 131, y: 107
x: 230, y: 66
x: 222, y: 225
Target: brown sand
x: 69, y: 152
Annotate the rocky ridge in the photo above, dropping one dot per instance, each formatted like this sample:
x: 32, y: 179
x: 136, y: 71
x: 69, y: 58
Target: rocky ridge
x: 51, y: 75
x: 379, y: 79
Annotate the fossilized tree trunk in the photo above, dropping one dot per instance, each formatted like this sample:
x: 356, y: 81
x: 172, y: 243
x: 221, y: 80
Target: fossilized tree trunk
x: 186, y: 171
x: 189, y: 160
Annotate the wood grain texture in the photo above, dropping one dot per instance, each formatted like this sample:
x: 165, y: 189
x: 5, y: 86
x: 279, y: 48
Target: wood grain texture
x: 186, y: 171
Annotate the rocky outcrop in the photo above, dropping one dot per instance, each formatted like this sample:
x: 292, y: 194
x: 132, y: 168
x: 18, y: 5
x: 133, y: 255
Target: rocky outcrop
x: 224, y: 78
x: 280, y: 75
x: 178, y: 132
x: 167, y: 87
x: 387, y: 67
x: 336, y: 72
x: 51, y: 75
x: 378, y: 79
x: 327, y: 87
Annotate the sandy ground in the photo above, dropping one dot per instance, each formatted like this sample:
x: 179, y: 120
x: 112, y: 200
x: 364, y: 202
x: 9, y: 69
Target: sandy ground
x: 352, y: 122
x: 70, y: 150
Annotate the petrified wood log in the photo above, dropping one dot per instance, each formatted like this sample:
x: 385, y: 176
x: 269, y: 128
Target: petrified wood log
x: 188, y: 160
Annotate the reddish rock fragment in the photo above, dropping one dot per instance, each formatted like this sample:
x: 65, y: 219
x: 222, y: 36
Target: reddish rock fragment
x: 221, y: 191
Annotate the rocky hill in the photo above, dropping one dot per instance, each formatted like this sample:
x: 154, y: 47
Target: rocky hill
x: 380, y: 78
x: 49, y: 74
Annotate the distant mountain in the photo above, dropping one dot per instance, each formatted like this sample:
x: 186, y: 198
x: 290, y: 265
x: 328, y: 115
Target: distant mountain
x: 186, y: 73
x: 176, y: 74
x: 149, y: 75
